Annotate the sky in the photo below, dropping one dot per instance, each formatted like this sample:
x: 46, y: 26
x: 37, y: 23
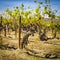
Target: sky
x: 55, y: 4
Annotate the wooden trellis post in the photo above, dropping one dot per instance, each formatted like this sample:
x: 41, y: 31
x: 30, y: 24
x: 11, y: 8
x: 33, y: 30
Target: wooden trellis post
x: 19, y: 32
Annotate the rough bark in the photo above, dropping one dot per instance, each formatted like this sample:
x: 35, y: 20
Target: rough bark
x: 24, y: 40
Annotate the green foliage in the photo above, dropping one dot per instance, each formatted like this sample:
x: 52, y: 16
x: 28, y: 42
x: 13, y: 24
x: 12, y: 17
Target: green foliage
x: 57, y: 26
x: 37, y: 10
x: 40, y: 2
x: 8, y: 11
x: 35, y: 1
x: 30, y: 17
x: 58, y: 17
x: 48, y: 24
x: 0, y: 40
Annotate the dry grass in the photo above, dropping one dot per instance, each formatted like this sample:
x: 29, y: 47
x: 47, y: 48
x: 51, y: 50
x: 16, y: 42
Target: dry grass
x: 21, y: 55
x: 18, y: 55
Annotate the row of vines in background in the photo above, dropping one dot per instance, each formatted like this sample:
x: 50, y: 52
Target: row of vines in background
x: 32, y: 20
